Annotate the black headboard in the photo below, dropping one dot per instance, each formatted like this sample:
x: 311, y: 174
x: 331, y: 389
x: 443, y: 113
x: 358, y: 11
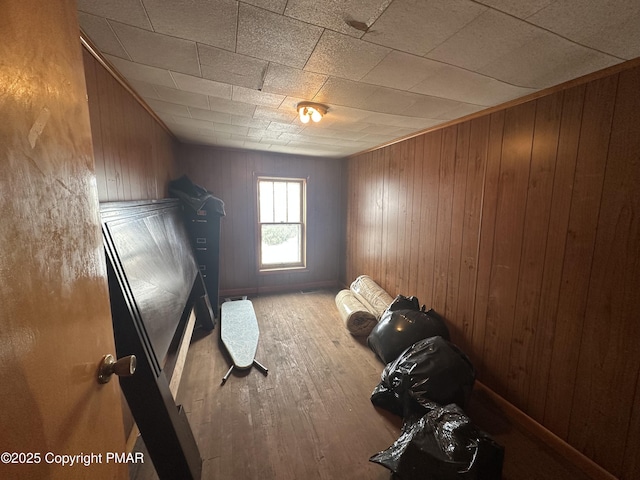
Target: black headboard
x: 148, y: 244
x: 154, y: 284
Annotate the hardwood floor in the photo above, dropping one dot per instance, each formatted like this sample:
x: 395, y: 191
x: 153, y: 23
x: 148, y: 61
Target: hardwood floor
x: 311, y: 417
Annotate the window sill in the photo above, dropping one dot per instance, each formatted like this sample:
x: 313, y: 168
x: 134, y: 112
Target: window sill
x: 277, y: 269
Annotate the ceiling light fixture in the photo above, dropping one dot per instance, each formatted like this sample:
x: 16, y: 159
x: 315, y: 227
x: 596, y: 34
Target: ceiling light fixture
x: 311, y: 111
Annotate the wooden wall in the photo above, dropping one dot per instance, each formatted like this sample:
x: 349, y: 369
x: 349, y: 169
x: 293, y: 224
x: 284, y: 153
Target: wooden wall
x: 229, y: 175
x: 523, y: 228
x: 134, y: 155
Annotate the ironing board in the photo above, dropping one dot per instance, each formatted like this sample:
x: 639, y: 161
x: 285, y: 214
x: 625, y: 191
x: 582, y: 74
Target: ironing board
x: 239, y: 332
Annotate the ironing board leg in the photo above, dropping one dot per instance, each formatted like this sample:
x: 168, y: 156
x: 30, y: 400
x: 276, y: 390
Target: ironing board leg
x: 261, y: 367
x: 224, y: 379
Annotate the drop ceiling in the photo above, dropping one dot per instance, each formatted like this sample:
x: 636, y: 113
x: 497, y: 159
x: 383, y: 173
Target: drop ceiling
x: 230, y: 73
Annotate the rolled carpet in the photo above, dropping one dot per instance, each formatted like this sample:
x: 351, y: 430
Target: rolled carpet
x: 358, y: 320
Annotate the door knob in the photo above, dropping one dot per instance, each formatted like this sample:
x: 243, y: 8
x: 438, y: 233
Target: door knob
x: 123, y: 367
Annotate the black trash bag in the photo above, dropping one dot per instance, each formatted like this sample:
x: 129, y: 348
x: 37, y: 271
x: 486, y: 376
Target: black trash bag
x: 403, y: 324
x: 404, y: 303
x: 194, y: 195
x: 431, y: 370
x: 442, y: 445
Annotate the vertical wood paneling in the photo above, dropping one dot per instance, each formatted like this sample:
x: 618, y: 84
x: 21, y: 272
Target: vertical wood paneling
x: 134, y: 156
x: 555, y: 247
x: 408, y: 155
x: 390, y: 254
x: 415, y: 238
x: 457, y: 227
x: 487, y: 232
x: 376, y: 181
x: 507, y: 245
x: 477, y: 162
x: 428, y: 215
x: 529, y: 242
x: 536, y: 224
x: 583, y: 218
x: 608, y: 362
x: 443, y: 222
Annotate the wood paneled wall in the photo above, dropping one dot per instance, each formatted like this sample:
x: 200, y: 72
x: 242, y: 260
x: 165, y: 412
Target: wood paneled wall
x: 523, y: 228
x: 230, y: 175
x: 134, y: 155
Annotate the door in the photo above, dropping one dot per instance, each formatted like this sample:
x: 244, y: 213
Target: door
x: 55, y: 321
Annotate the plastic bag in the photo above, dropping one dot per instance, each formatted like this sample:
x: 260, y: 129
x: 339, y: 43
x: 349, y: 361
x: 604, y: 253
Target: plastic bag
x: 403, y: 324
x: 194, y: 195
x: 431, y: 370
x: 442, y: 445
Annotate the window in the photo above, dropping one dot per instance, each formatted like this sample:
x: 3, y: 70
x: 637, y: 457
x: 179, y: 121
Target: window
x: 281, y: 223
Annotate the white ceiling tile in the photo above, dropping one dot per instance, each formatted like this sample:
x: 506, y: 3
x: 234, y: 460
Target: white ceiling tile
x: 546, y: 61
x: 456, y: 83
x: 345, y: 92
x: 263, y: 133
x: 166, y: 107
x: 460, y: 111
x: 396, y: 102
x: 335, y: 15
x: 144, y: 89
x: 229, y: 106
x: 130, y: 12
x: 276, y: 6
x: 416, y: 26
x: 217, y: 117
x: 158, y: 50
x: 329, y: 133
x: 181, y: 97
x: 344, y: 56
x: 206, y: 21
x: 274, y: 114
x: 401, y: 70
x: 145, y: 73
x: 256, y: 97
x: 400, y: 121
x: 272, y: 37
x: 193, y: 122
x: 485, y: 40
x: 232, y: 68
x: 249, y: 122
x: 377, y: 139
x: 611, y: 26
x: 285, y: 80
x: 283, y: 127
x: 454, y: 57
x: 202, y: 85
x: 233, y: 129
x: 518, y: 8
x: 100, y: 33
x: 256, y: 145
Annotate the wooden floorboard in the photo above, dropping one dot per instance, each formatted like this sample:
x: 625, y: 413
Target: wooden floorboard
x: 311, y: 417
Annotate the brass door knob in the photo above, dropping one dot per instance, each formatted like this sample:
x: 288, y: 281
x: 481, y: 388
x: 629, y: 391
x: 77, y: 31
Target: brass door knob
x: 124, y: 367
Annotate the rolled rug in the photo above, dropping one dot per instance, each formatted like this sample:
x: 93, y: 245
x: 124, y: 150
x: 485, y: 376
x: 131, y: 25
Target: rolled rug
x: 358, y: 320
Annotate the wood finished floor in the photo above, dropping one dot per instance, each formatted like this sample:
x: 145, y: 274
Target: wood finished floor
x: 311, y: 417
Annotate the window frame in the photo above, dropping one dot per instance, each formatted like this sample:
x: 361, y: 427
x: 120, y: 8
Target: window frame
x: 274, y: 268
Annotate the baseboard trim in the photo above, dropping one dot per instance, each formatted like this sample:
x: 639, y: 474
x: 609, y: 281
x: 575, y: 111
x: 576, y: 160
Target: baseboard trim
x: 234, y: 292
x: 521, y: 419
